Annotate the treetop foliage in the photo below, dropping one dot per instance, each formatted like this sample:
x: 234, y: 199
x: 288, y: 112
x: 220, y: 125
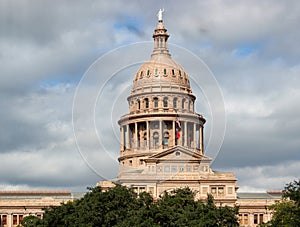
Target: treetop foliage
x: 121, y: 206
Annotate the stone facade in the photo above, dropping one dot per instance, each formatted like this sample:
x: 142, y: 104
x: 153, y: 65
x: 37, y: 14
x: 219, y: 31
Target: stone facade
x: 15, y: 205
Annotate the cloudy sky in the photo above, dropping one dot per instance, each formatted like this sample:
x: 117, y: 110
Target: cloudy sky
x: 46, y: 48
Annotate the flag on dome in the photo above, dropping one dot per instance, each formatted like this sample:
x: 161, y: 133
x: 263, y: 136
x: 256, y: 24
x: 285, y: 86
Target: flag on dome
x: 177, y: 128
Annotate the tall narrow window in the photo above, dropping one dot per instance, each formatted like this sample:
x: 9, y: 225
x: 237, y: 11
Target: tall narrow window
x: 173, y: 72
x: 175, y: 103
x: 155, y: 71
x: 146, y: 103
x: 141, y: 75
x: 155, y: 100
x: 179, y: 73
x: 148, y: 72
x: 182, y: 103
x: 165, y: 102
x: 4, y: 220
x: 155, y: 139
x: 15, y: 219
x: 166, y: 139
x: 165, y: 71
x: 139, y: 104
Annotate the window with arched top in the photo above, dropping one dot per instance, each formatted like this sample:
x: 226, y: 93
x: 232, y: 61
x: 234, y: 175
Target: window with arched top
x: 148, y: 72
x: 165, y: 102
x: 165, y: 71
x: 156, y: 71
x: 189, y: 105
x: 166, y: 139
x: 182, y: 103
x: 155, y: 139
x: 141, y: 75
x: 175, y: 103
x: 173, y: 72
x: 146, y: 100
x: 155, y: 101
x: 138, y: 104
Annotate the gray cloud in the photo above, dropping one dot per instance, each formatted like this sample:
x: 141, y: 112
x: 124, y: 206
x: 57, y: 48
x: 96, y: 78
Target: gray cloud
x: 251, y: 47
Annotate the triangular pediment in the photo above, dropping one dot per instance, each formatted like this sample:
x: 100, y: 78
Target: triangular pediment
x: 177, y: 153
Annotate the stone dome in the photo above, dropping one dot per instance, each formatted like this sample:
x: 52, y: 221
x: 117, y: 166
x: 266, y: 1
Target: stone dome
x: 161, y: 70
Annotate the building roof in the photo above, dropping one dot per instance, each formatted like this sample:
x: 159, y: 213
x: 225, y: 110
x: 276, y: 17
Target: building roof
x: 257, y: 195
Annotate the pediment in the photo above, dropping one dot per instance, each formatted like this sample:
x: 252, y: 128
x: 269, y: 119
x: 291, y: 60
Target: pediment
x: 177, y: 153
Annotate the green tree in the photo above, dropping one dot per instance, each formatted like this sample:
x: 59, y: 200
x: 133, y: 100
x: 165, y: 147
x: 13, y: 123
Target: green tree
x: 30, y: 221
x: 287, y: 211
x: 120, y: 206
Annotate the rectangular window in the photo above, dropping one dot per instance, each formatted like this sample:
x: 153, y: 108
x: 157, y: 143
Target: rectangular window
x: 196, y: 168
x: 217, y: 191
x: 15, y: 219
x: 240, y: 219
x: 245, y: 219
x: 255, y: 221
x: 4, y: 219
x: 261, y: 218
x: 20, y: 219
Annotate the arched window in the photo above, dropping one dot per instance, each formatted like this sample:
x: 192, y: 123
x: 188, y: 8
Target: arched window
x: 165, y: 102
x: 173, y: 72
x: 166, y: 139
x: 148, y: 72
x: 175, y: 103
x: 189, y: 105
x: 139, y: 104
x: 155, y: 139
x: 146, y: 100
x: 182, y: 103
x: 145, y: 139
x: 155, y: 71
x: 141, y: 75
x: 155, y: 100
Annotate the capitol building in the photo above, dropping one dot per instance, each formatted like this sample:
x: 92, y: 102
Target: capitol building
x: 162, y: 147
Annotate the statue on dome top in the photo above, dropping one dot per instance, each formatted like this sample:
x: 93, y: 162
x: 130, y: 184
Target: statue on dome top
x: 160, y: 14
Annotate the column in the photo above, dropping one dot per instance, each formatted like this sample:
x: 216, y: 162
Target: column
x: 122, y: 138
x: 174, y: 133
x: 185, y: 134
x: 148, y: 135
x: 136, y: 135
x: 201, y: 139
x: 194, y: 136
x: 127, y: 137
